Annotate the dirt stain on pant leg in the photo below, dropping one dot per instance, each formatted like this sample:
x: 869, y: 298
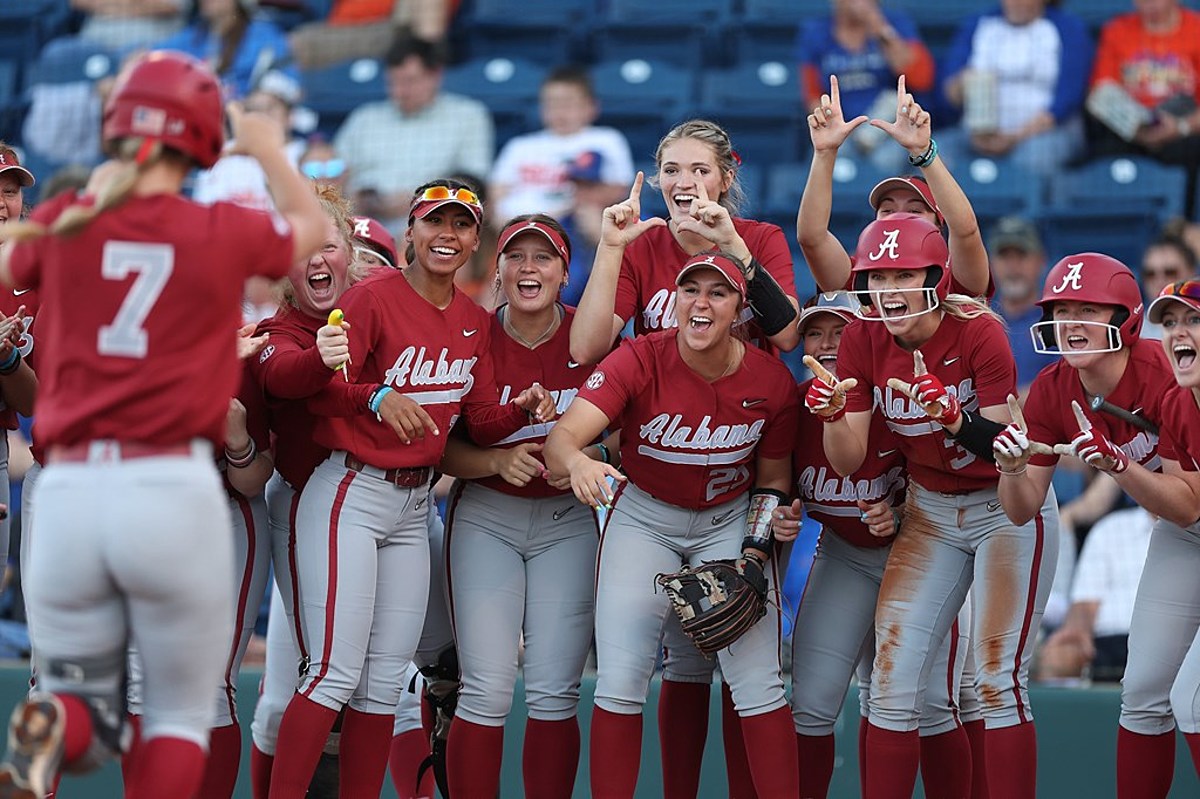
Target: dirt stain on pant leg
x: 906, y: 564
x: 1001, y: 599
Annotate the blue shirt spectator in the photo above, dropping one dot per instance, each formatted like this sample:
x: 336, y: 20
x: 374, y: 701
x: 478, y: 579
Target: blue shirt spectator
x: 1018, y: 262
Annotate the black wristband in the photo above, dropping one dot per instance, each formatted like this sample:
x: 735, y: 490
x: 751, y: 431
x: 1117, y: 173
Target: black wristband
x: 12, y: 364
x: 771, y: 307
x: 977, y: 434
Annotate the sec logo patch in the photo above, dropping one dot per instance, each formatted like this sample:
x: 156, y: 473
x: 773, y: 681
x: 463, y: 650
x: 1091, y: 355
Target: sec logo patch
x: 267, y: 352
x: 596, y: 380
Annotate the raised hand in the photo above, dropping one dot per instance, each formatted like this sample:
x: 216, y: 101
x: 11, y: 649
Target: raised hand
x: 912, y: 128
x: 826, y: 395
x: 929, y: 392
x: 710, y: 220
x: 622, y: 222
x: 254, y: 132
x: 248, y: 344
x: 1093, y: 448
x: 827, y: 126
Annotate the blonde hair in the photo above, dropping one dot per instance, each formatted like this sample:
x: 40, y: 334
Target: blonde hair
x: 136, y: 154
x: 714, y: 136
x: 960, y: 306
x: 338, y: 209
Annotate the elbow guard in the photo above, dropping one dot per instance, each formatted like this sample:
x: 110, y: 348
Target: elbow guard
x: 763, y: 502
x: 771, y: 307
x: 977, y: 434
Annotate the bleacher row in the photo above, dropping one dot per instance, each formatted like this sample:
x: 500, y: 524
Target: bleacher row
x: 654, y: 64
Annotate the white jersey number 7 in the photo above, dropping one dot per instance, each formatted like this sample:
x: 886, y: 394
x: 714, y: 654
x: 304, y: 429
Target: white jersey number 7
x: 153, y: 264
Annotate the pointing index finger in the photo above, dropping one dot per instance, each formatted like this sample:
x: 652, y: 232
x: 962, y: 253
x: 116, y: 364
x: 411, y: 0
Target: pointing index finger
x: 1085, y: 424
x: 820, y: 371
x: 635, y: 193
x: 918, y: 363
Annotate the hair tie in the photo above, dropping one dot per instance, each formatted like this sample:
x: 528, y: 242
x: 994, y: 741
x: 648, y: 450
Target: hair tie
x: 145, y: 150
x: 737, y: 159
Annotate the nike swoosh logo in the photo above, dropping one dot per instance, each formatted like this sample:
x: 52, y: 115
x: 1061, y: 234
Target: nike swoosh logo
x: 469, y: 333
x: 19, y: 293
x: 750, y: 403
x: 1136, y: 411
x: 883, y: 453
x: 558, y: 514
x: 572, y: 365
x: 719, y: 519
x: 993, y: 506
x: 949, y: 361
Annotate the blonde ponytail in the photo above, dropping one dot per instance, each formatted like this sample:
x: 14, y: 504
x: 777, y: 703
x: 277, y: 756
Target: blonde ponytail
x: 960, y: 306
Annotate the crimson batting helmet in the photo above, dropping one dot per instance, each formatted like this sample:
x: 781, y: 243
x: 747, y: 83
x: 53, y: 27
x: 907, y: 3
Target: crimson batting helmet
x: 170, y: 97
x: 901, y: 241
x: 1096, y: 278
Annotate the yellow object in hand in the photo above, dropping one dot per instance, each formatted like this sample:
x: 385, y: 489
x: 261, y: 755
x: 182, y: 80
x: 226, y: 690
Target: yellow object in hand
x: 336, y: 317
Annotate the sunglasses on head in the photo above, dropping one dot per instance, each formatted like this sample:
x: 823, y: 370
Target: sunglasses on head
x: 1184, y: 288
x: 328, y: 170
x: 447, y: 193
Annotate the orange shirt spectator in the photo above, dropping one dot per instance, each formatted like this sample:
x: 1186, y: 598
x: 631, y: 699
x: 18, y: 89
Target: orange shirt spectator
x: 1153, y: 65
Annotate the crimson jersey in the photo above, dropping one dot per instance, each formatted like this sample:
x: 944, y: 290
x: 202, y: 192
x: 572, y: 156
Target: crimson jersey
x: 684, y: 440
x: 137, y: 339
x: 971, y: 358
x: 646, y: 285
x: 1146, y: 380
x: 289, y: 370
x: 517, y: 367
x: 438, y: 357
x: 10, y: 302
x: 250, y: 395
x: 1181, y: 428
x: 832, y: 499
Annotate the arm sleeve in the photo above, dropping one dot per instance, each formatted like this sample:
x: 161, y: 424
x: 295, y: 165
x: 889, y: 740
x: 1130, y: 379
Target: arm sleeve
x: 1076, y: 64
x: 1041, y: 416
x: 772, y: 252
x: 625, y: 303
x: 349, y: 397
x: 808, y: 55
x: 290, y: 371
x: 855, y: 361
x: 610, y: 386
x: 264, y: 238
x: 779, y: 436
x: 992, y: 364
x: 25, y: 260
x: 257, y: 426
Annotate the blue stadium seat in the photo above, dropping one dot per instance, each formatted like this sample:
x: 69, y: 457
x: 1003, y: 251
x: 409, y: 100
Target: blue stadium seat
x: 852, y: 183
x: 70, y: 59
x: 680, y: 32
x: 785, y: 187
x: 507, y: 86
x: 758, y: 103
x: 753, y: 178
x: 643, y: 99
x: 27, y: 24
x: 546, y: 31
x: 1097, y: 12
x: 768, y: 28
x: 12, y: 107
x: 996, y: 192
x: 334, y: 91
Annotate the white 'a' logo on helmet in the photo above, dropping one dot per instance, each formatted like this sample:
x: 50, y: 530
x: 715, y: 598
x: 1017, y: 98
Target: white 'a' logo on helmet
x: 362, y: 227
x: 890, y: 243
x: 1072, y: 278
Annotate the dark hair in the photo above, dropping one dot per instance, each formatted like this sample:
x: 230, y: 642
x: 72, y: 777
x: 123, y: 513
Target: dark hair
x: 573, y: 75
x: 410, y: 252
x: 1176, y: 243
x: 548, y: 221
x: 431, y: 54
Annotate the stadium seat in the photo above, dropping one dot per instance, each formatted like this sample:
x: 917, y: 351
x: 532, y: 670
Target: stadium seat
x: 12, y: 108
x: 759, y: 104
x: 334, y: 91
x: 70, y: 59
x: 643, y: 99
x: 25, y: 25
x: 545, y: 31
x: 768, y: 28
x: 753, y: 178
x: 680, y: 32
x: 784, y: 188
x: 852, y: 183
x: 507, y: 86
x: 997, y: 192
x: 1096, y: 12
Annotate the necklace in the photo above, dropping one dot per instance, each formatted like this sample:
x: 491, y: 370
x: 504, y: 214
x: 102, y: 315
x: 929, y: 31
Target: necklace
x: 734, y: 359
x: 512, y: 331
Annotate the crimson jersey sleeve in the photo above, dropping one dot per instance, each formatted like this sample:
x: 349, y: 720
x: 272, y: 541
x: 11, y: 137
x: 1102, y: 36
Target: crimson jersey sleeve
x: 290, y: 366
x: 854, y: 362
x: 615, y: 380
x: 1180, y: 432
x: 780, y: 433
x: 257, y: 424
x: 769, y: 245
x: 487, y: 420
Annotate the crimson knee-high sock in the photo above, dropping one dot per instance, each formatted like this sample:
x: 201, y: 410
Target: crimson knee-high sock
x: 366, y: 742
x: 224, y: 758
x: 863, y: 725
x: 135, y: 746
x: 473, y: 756
x: 167, y: 767
x: 737, y: 767
x: 814, y: 761
x: 615, y: 753
x: 1145, y: 764
x: 551, y: 758
x: 975, y: 737
x: 260, y: 772
x: 1016, y: 748
x: 771, y: 748
x: 302, y: 733
x: 893, y: 758
x: 682, y: 731
x: 946, y: 765
x: 1193, y: 744
x: 408, y: 752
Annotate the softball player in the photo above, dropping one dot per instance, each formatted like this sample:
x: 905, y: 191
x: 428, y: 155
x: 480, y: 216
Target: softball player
x: 373, y: 244
x: 704, y: 420
x: 696, y: 161
x: 1092, y: 316
x: 934, y: 195
x: 142, y: 293
x: 521, y: 553
x: 418, y: 354
x: 859, y: 516
x: 954, y: 532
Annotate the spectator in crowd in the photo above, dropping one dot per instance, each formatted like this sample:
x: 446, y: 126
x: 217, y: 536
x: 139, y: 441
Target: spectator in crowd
x: 530, y: 175
x: 419, y: 133
x: 868, y: 49
x: 320, y: 162
x: 1153, y: 56
x: 1095, y: 633
x: 128, y: 24
x: 365, y: 28
x: 239, y: 178
x: 1018, y: 262
x: 1167, y: 260
x: 591, y: 197
x: 238, y: 46
x: 1020, y: 74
